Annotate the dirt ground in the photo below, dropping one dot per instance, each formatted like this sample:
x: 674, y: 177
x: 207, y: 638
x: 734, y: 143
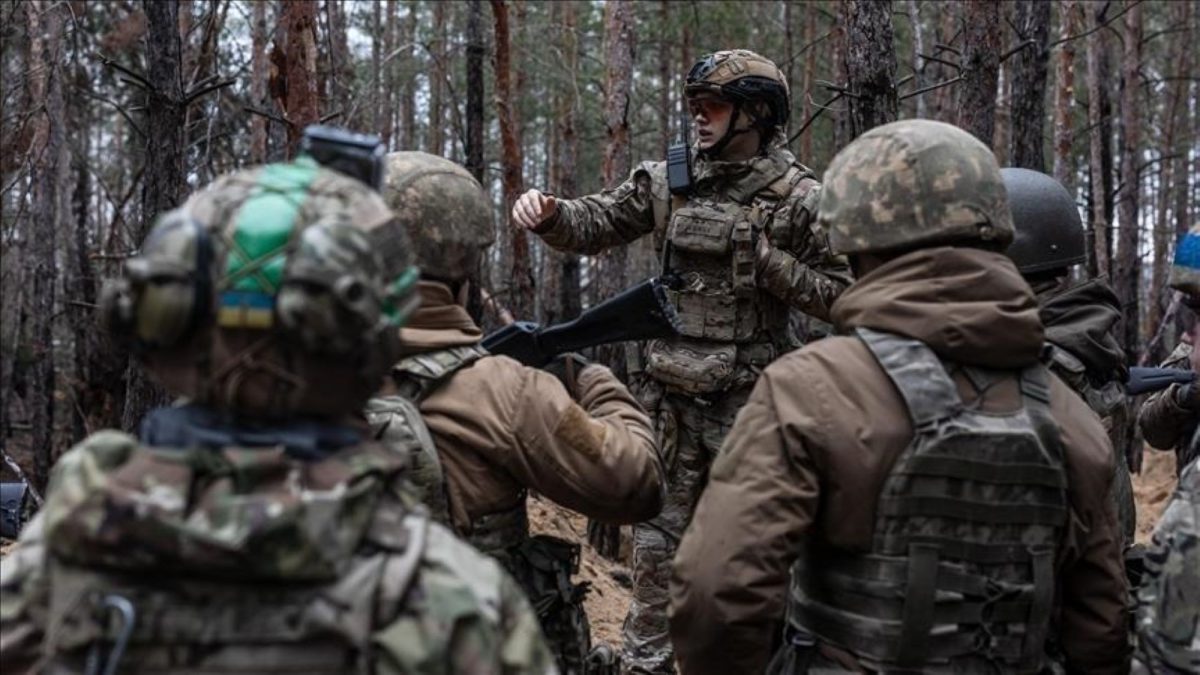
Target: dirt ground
x: 1152, y: 490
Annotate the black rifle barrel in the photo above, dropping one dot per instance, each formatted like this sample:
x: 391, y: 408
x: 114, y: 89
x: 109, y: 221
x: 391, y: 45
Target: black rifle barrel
x: 1145, y: 380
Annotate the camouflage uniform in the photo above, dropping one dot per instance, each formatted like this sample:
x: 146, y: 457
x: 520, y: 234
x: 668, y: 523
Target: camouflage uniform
x: 1166, y: 423
x: 734, y: 308
x: 1168, y: 613
x: 1170, y: 417
x: 253, y: 529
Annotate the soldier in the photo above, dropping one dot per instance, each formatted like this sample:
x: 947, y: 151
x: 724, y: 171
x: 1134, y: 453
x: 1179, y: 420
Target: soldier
x: 1170, y: 417
x: 741, y: 246
x: 1168, y: 614
x: 937, y: 495
x: 253, y: 529
x: 1080, y: 319
x: 502, y: 429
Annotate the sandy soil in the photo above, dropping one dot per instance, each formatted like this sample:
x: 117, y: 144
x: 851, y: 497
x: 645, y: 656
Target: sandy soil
x: 1152, y: 490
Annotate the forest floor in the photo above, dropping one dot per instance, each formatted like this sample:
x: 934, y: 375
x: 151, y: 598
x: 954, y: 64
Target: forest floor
x: 608, y: 599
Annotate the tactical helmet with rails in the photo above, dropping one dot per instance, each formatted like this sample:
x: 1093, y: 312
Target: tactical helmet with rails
x: 444, y: 210
x: 914, y: 184
x: 275, y: 291
x: 1049, y: 232
x: 753, y: 83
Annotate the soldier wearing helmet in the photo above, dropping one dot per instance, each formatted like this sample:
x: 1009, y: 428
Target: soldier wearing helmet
x: 1081, y: 319
x: 499, y: 429
x: 918, y: 494
x: 740, y: 244
x: 254, y: 528
x: 1168, y: 608
x: 1170, y: 418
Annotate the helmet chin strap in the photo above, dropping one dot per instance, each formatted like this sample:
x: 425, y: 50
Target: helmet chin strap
x: 714, y: 151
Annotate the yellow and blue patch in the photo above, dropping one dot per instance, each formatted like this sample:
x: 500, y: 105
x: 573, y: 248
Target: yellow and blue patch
x: 246, y: 309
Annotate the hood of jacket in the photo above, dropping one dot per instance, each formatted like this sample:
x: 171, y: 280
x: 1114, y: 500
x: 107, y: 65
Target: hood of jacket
x: 1082, y: 320
x: 970, y: 306
x: 439, y: 323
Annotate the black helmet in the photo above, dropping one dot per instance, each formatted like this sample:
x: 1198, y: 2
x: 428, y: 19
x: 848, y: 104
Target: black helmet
x: 1049, y: 233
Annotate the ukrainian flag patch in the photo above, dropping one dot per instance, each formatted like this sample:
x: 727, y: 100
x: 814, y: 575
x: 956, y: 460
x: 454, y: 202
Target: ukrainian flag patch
x: 246, y: 309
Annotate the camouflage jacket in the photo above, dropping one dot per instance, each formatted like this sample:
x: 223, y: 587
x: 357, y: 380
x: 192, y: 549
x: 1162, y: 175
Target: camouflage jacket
x: 1165, y: 424
x: 799, y: 271
x: 258, y: 561
x: 1168, y: 613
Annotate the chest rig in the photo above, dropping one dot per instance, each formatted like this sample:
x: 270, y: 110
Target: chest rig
x: 729, y: 326
x: 396, y: 420
x: 960, y: 575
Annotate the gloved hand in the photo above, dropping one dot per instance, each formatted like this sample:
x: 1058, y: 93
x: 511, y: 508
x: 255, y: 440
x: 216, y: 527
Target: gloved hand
x: 566, y: 367
x: 1188, y: 397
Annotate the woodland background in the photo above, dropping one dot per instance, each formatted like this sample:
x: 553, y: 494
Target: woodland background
x: 112, y: 112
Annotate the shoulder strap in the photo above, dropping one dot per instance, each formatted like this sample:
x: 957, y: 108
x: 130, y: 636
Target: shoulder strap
x: 918, y: 374
x: 417, y: 376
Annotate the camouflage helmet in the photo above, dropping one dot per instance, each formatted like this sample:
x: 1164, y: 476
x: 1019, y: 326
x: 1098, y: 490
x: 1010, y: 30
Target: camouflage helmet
x: 1049, y: 232
x: 914, y: 184
x: 1185, y: 272
x: 742, y: 76
x: 444, y: 210
x: 275, y: 291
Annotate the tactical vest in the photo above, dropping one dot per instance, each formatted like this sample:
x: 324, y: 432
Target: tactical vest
x: 729, y: 326
x: 213, y: 561
x: 396, y: 420
x: 960, y: 575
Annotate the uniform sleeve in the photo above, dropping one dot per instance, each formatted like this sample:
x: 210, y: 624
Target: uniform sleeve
x: 800, y: 270
x: 614, y: 217
x: 597, y: 457
x: 729, y: 581
x: 1162, y: 420
x: 23, y: 601
x: 1093, y: 624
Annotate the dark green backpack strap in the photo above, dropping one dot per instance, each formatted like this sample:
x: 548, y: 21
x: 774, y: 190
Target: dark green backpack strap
x: 918, y: 374
x: 417, y: 376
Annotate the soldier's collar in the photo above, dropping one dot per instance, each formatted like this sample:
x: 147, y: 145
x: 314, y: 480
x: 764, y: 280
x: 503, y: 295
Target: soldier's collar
x: 740, y: 181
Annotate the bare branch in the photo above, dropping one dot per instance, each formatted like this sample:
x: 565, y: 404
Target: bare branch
x: 925, y: 90
x: 137, y: 80
x: 1098, y: 26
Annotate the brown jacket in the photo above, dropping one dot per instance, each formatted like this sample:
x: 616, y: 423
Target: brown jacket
x: 502, y: 428
x: 821, y: 431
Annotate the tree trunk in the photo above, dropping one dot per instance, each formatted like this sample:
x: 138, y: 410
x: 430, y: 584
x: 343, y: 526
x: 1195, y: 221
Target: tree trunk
x: 918, y: 64
x: 408, y: 129
x: 1128, y: 259
x: 570, y: 298
x: 437, y: 75
x: 300, y: 107
x: 48, y: 176
x: 870, y: 63
x: 1098, y: 189
x: 945, y: 99
x: 1032, y: 17
x: 810, y: 67
x: 521, y: 276
x: 258, y: 83
x: 980, y: 25
x: 475, y: 50
x: 80, y: 287
x: 665, y: 111
x: 387, y: 78
x: 1064, y: 96
x: 164, y: 182
x: 341, y: 68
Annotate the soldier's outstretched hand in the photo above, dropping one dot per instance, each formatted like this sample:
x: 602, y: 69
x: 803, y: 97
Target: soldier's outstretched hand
x: 532, y: 209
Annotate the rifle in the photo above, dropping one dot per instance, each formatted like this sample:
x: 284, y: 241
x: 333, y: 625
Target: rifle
x: 1147, y: 380
x: 641, y: 312
x: 14, y: 508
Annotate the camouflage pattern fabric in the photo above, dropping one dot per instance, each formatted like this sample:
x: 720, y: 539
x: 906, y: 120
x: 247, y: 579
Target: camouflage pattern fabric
x: 1164, y: 422
x: 868, y: 199
x: 259, y: 562
x: 1168, y: 613
x: 424, y: 189
x: 690, y: 432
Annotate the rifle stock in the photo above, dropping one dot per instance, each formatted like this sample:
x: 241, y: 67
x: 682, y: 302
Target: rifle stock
x: 641, y: 312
